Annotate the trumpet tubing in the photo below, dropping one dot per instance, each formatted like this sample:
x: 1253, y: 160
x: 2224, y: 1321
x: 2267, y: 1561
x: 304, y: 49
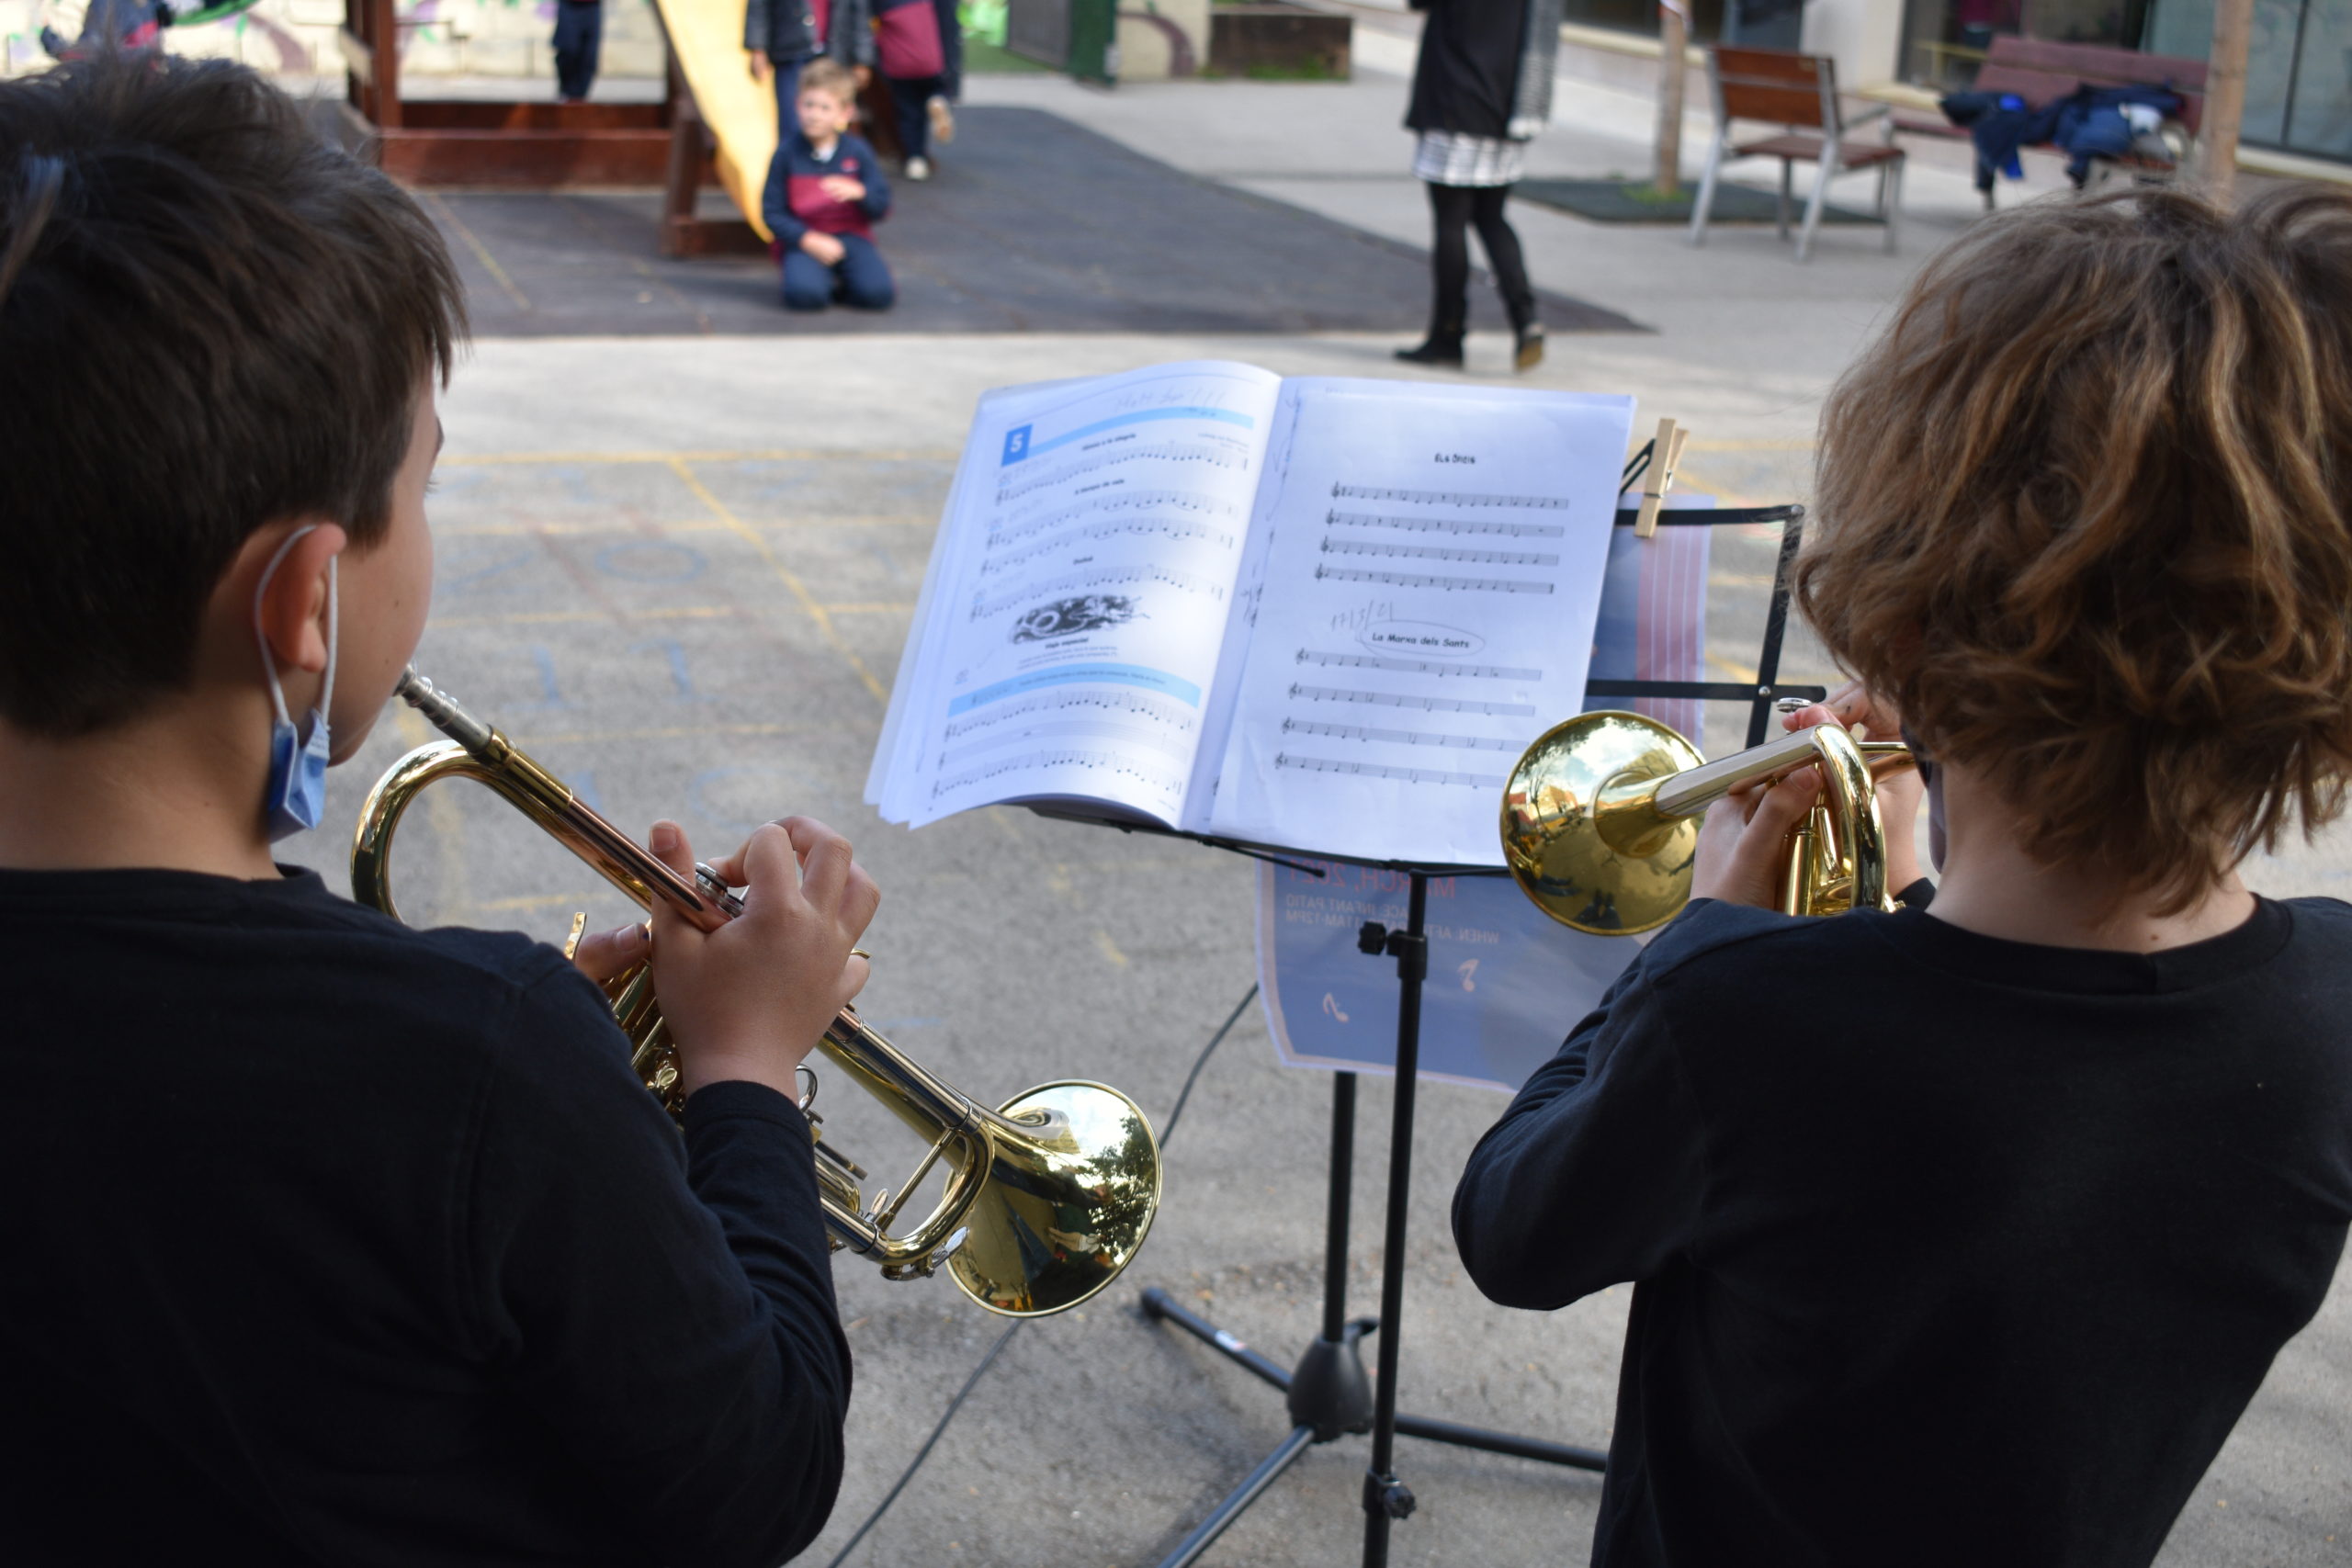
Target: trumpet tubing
x: 1046, y: 1198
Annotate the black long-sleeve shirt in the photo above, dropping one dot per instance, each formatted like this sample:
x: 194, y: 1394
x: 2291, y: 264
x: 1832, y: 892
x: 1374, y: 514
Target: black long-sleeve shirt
x: 1949, y: 1249
x: 324, y: 1240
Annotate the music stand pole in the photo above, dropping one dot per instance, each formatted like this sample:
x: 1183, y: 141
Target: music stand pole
x: 1385, y: 1498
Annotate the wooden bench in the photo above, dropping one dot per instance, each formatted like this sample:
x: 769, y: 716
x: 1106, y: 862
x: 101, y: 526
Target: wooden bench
x: 2042, y: 72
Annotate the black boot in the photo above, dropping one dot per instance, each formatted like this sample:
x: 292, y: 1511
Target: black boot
x: 1435, y: 351
x: 1441, y: 347
x: 1529, y: 350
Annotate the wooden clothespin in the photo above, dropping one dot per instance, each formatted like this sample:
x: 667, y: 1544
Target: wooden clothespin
x: 1665, y: 455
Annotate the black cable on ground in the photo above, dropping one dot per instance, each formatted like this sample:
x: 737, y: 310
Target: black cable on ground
x: 931, y: 1442
x: 1216, y: 1039
x: 1014, y: 1328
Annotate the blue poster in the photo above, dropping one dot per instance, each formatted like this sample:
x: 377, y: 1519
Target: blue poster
x: 1506, y: 984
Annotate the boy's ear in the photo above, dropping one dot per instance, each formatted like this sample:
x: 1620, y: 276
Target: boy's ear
x: 293, y: 603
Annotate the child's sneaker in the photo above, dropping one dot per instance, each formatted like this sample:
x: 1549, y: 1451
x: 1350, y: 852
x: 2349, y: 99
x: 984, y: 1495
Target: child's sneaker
x: 943, y: 120
x: 918, y: 168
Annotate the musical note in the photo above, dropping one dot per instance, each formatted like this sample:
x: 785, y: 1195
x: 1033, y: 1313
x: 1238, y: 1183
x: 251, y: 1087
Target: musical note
x: 1424, y: 579
x: 1449, y: 497
x: 1135, y: 527
x: 1013, y: 529
x: 1380, y: 770
x: 1167, y: 783
x: 1438, y: 552
x: 1468, y: 970
x: 1213, y: 453
x: 1099, y: 577
x: 1427, y: 704
x: 1399, y: 737
x: 1443, y: 525
x: 1331, y: 1007
x: 1418, y: 666
x: 1113, y: 701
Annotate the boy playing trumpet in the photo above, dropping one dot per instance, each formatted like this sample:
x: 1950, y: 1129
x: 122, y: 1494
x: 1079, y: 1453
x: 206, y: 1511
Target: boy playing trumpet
x: 1963, y: 1236
x: 328, y: 1240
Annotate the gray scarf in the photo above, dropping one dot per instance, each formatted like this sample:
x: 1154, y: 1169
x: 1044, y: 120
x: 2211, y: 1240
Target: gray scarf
x: 1531, y: 102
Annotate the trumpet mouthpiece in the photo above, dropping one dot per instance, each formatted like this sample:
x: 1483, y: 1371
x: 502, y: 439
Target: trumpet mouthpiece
x: 442, y: 711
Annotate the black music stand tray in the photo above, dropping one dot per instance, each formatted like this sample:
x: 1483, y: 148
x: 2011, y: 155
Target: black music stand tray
x: 1328, y: 1393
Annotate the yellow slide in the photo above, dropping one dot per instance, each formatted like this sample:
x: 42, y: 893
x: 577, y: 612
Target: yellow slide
x: 708, y: 39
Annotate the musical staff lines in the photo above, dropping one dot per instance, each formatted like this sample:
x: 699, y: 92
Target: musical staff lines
x: 1174, y: 746
x: 1463, y: 498
x: 1109, y: 702
x: 1425, y: 580
x: 1302, y: 692
x: 1169, y: 782
x: 1131, y: 527
x: 1211, y: 454
x: 1383, y: 771
x: 1100, y: 576
x: 1399, y: 737
x: 1439, y: 552
x: 1418, y: 666
x: 1336, y: 519
x: 1192, y: 502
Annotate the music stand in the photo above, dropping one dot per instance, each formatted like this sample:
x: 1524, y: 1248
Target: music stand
x: 1328, y: 1393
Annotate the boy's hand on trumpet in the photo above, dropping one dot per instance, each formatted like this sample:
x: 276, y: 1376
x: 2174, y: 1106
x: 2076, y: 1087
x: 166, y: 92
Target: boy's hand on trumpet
x: 1742, y: 852
x: 749, y: 1001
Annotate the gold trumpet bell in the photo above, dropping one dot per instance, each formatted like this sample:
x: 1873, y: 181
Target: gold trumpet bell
x: 1072, y: 1186
x: 1552, y: 825
x: 1601, y: 821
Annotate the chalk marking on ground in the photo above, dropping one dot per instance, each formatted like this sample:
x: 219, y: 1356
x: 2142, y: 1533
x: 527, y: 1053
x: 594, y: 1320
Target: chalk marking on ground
x: 799, y: 590
x: 482, y: 252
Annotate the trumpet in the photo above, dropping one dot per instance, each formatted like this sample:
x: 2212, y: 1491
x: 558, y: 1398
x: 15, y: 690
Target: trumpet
x: 1600, y: 819
x: 1046, y: 1198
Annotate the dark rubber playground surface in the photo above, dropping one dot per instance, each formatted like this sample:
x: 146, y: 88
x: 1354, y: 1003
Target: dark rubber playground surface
x: 1032, y: 223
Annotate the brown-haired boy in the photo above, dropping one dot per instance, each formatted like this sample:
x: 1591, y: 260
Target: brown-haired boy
x: 1963, y: 1236
x: 328, y: 1240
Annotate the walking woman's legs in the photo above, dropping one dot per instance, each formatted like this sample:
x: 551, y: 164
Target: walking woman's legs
x: 1503, y: 255
x: 1450, y: 211
x: 1502, y: 243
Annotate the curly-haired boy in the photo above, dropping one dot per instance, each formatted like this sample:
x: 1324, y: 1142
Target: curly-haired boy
x: 1963, y: 1236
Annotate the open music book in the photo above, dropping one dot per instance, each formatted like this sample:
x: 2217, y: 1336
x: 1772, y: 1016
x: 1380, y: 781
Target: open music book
x: 1317, y: 613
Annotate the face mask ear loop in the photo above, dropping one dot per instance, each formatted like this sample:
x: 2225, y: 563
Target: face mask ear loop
x: 326, y: 697
x: 268, y: 662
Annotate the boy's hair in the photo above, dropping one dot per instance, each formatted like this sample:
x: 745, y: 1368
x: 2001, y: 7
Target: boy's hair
x: 210, y: 320
x: 2086, y: 518
x: 826, y: 74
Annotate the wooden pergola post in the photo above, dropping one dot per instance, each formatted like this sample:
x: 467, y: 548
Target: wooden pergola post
x: 1673, y: 38
x: 2217, y: 135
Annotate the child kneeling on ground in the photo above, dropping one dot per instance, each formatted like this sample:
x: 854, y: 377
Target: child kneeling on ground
x: 825, y: 193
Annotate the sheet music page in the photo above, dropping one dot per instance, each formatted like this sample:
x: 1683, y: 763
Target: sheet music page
x: 1419, y: 605
x: 1078, y: 594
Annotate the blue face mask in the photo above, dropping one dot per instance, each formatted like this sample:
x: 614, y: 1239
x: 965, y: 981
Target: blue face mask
x: 296, y: 794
